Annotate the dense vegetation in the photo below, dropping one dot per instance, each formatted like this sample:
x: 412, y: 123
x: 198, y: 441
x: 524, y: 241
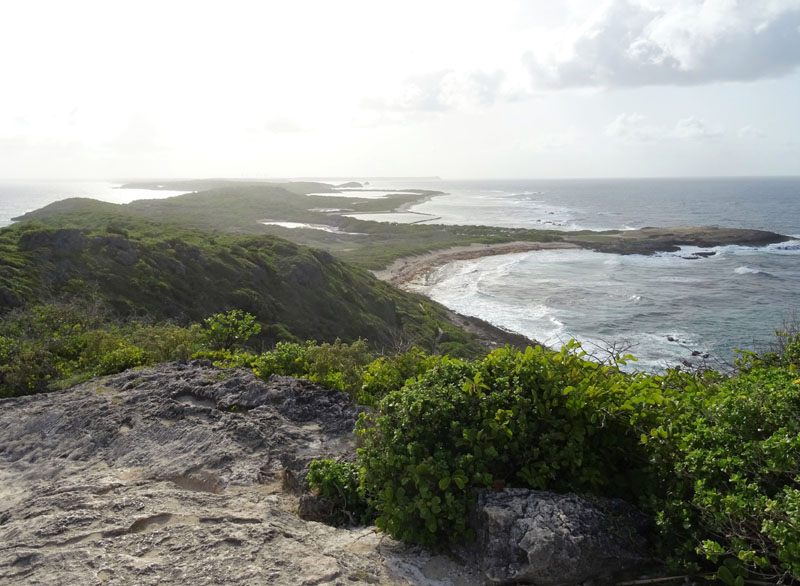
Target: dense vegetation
x: 715, y: 459
x: 131, y: 271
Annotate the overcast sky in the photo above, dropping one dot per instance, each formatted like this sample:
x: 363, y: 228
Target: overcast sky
x: 536, y: 88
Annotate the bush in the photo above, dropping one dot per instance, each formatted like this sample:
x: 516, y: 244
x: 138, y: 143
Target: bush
x: 167, y: 342
x: 223, y: 331
x: 385, y: 374
x: 25, y: 367
x: 287, y: 359
x: 731, y: 474
x: 336, y: 366
x: 341, y: 483
x: 46, y: 347
x: 538, y: 419
x: 121, y: 359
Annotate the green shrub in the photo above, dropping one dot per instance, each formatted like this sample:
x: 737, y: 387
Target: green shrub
x: 25, y: 367
x: 538, y: 419
x: 731, y: 476
x: 341, y: 483
x: 225, y: 330
x: 47, y: 347
x: 287, y: 359
x: 227, y: 358
x: 336, y: 366
x: 387, y: 374
x: 121, y: 359
x: 166, y: 342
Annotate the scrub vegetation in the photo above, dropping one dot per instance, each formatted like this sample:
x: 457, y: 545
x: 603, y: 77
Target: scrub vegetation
x: 90, y: 289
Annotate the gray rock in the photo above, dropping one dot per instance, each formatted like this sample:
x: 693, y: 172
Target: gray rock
x: 173, y: 475
x: 547, y: 539
x: 187, y: 474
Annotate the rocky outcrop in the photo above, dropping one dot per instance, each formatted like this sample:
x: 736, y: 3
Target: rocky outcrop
x: 669, y: 239
x: 547, y: 539
x: 184, y: 474
x: 188, y: 474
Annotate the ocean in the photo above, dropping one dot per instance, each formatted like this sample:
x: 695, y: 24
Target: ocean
x: 666, y: 308
x: 19, y: 197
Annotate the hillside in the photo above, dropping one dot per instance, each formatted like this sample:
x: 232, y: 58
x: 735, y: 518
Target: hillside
x: 162, y: 272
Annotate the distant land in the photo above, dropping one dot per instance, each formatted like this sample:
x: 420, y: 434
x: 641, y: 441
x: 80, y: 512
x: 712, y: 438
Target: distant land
x: 241, y: 207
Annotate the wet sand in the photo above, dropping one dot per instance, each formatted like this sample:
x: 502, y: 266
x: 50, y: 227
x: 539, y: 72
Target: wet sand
x: 408, y: 268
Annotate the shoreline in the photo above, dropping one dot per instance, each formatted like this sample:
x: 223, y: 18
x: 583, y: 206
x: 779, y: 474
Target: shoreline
x: 408, y: 268
x: 405, y: 269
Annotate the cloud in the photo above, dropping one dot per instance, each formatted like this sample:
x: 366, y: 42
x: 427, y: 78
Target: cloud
x: 568, y: 139
x: 638, y: 128
x: 634, y: 127
x: 441, y: 91
x: 692, y: 128
x: 282, y: 124
x: 675, y: 42
x: 750, y: 132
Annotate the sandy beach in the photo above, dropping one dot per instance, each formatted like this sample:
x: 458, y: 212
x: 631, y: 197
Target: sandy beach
x: 408, y: 268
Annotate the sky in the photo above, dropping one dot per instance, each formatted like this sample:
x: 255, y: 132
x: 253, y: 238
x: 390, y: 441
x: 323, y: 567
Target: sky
x: 459, y: 89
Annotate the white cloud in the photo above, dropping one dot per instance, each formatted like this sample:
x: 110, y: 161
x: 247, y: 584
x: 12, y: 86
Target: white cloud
x: 638, y: 128
x: 280, y: 124
x: 677, y: 42
x: 440, y: 91
x: 568, y: 139
x: 692, y: 128
x: 634, y: 127
x: 750, y: 132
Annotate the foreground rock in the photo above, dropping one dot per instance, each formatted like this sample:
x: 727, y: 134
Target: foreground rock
x: 548, y: 539
x: 179, y: 475
x: 187, y: 474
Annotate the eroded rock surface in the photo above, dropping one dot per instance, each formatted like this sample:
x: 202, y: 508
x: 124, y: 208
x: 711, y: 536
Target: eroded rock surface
x: 547, y: 539
x: 176, y: 475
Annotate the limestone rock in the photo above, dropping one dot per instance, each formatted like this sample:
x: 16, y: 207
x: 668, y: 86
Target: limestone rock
x: 172, y: 475
x: 179, y: 474
x: 547, y: 539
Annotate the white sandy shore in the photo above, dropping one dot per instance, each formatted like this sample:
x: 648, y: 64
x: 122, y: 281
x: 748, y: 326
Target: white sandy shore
x: 407, y: 268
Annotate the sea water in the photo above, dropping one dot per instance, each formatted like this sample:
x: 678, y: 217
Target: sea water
x: 668, y: 309
x: 20, y: 197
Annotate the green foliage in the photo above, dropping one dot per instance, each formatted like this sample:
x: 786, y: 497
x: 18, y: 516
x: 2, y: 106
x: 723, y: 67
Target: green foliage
x: 341, y: 483
x: 538, y: 419
x: 287, y: 359
x: 161, y: 272
x: 715, y: 459
x: 731, y: 475
x: 227, y: 358
x: 47, y: 347
x: 25, y: 368
x: 335, y: 366
x: 120, y: 359
x: 387, y: 374
x: 223, y: 331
